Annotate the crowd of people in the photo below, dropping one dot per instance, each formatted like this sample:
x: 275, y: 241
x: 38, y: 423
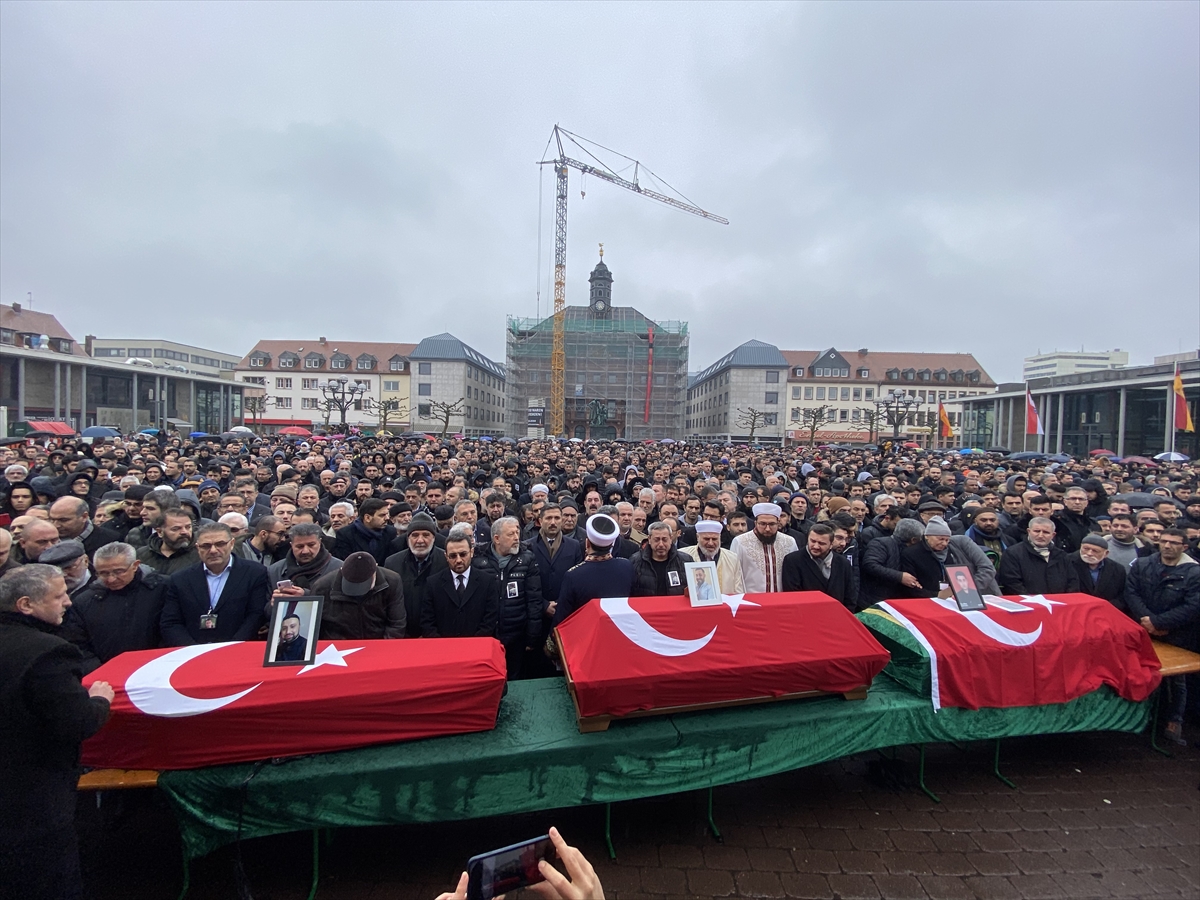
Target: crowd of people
x: 164, y: 541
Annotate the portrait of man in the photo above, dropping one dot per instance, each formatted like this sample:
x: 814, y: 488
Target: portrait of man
x: 702, y: 583
x: 292, y: 636
x: 966, y: 594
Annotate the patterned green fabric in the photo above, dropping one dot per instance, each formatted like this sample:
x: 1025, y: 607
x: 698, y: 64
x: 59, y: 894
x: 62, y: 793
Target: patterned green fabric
x: 537, y: 759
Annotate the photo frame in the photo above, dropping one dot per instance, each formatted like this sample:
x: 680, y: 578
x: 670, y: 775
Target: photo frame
x: 703, y: 587
x: 292, y: 632
x: 966, y: 593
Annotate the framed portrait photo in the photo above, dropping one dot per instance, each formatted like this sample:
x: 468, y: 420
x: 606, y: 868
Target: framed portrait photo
x: 966, y: 594
x: 292, y: 638
x: 703, y: 587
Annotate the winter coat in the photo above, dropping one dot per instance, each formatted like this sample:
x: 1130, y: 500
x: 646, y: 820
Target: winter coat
x: 521, y: 605
x: 645, y: 574
x: 376, y: 615
x: 1169, y: 595
x: 104, y: 624
x: 1023, y: 571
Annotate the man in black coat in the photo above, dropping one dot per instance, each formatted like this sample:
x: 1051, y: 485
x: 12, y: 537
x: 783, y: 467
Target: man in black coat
x: 119, y: 611
x: 882, y: 575
x: 816, y: 567
x: 1098, y: 575
x: 370, y: 532
x: 47, y: 715
x: 460, y: 601
x: 521, y: 604
x: 71, y: 517
x: 223, y: 598
x: 1072, y: 524
x: 416, y: 565
x: 1036, y: 565
x: 658, y: 568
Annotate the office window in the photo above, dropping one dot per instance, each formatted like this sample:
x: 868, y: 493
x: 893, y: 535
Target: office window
x: 424, y: 368
x: 845, y: 393
x: 283, y: 402
x: 309, y: 384
x: 772, y: 376
x: 869, y: 394
x: 770, y: 418
x: 254, y: 379
x: 858, y: 393
x: 396, y: 365
x: 856, y: 415
x: 424, y: 410
x: 283, y: 384
x: 796, y: 392
x: 309, y: 403
x: 820, y: 393
x: 257, y: 362
x: 771, y: 398
x: 808, y: 392
x: 795, y: 414
x: 843, y: 415
x: 391, y: 385
x: 424, y: 390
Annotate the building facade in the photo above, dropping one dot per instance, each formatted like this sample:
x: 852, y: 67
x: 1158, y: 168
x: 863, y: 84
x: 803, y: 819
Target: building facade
x: 1127, y: 411
x: 742, y: 391
x: 1048, y: 365
x: 173, y: 356
x: 457, y: 389
x: 851, y: 389
x: 46, y: 375
x: 292, y: 375
x: 625, y: 374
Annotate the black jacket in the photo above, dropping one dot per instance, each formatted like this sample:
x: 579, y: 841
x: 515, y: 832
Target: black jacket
x: 356, y: 537
x: 1110, y: 584
x: 918, y: 560
x: 47, y: 715
x: 475, y: 614
x: 240, y: 608
x: 521, y: 604
x: 414, y: 579
x: 570, y: 553
x: 881, y: 571
x: 1070, y: 529
x: 1169, y: 595
x: 104, y: 624
x: 802, y: 573
x: 376, y: 615
x: 1023, y: 571
x: 645, y: 574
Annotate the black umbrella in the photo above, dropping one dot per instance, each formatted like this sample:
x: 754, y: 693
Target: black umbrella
x: 1136, y: 499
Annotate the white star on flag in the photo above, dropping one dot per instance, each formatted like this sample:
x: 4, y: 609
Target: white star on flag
x: 1039, y: 600
x: 330, y: 656
x: 735, y: 602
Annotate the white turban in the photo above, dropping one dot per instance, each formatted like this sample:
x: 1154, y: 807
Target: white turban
x: 767, y: 509
x: 708, y: 526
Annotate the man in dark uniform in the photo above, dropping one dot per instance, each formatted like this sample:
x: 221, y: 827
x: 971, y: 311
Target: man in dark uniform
x: 293, y: 646
x: 600, y: 574
x: 47, y: 714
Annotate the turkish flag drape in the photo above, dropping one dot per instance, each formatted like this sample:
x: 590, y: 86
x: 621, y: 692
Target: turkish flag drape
x: 1033, y: 421
x: 1036, y: 651
x: 216, y: 703
x: 659, y: 652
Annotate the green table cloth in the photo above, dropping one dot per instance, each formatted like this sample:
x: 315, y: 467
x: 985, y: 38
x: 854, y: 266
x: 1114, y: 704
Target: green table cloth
x: 537, y: 759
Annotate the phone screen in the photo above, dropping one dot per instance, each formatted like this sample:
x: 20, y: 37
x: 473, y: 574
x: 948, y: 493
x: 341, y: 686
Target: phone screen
x: 492, y: 874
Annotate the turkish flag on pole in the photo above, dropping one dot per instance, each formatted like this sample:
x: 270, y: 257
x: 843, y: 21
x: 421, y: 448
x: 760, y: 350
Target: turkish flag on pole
x: 216, y: 703
x: 1183, y: 415
x: 1029, y: 651
x: 1033, y: 421
x: 660, y: 652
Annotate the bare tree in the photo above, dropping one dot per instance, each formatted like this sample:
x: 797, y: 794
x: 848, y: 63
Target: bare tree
x: 871, y: 418
x: 812, y: 418
x: 443, y: 412
x: 256, y: 406
x: 387, y: 410
x: 751, y: 418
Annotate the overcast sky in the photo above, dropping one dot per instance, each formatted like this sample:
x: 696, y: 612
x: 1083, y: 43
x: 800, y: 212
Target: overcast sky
x: 995, y: 178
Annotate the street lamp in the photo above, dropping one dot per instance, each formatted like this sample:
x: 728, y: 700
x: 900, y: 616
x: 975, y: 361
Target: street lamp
x: 895, y: 408
x: 341, y: 393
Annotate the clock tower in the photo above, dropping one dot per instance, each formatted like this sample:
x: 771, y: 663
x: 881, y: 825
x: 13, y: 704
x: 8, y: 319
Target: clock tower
x: 600, y: 298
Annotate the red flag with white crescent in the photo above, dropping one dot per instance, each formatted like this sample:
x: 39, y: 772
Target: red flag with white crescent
x: 209, y: 704
x: 627, y: 654
x: 1029, y: 651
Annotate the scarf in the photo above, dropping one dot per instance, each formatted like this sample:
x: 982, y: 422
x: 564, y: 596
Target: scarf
x: 304, y: 575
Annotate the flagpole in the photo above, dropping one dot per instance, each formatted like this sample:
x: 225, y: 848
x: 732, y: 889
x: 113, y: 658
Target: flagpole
x: 1174, y: 401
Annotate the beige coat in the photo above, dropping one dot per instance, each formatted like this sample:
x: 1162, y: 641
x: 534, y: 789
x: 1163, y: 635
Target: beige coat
x: 729, y: 569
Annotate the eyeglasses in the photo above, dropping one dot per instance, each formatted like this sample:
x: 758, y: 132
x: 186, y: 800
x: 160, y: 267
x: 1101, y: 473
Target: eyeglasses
x: 204, y: 548
x: 1170, y: 543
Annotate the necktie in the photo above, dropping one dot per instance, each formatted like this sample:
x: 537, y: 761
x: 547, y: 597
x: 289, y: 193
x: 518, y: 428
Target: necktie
x: 461, y: 583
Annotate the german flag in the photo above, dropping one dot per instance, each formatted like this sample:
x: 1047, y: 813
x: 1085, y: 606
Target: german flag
x: 1183, y: 415
x: 945, y: 429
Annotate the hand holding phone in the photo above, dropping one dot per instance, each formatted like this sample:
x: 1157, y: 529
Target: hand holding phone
x: 490, y: 875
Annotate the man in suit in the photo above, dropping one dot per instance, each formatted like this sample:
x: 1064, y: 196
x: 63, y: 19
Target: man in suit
x: 221, y: 599
x: 816, y: 567
x: 1099, y: 575
x: 460, y: 601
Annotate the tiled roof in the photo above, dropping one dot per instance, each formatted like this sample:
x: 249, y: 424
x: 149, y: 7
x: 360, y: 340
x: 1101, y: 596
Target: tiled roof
x: 381, y: 351
x: 879, y: 362
x: 446, y: 346
x: 26, y: 321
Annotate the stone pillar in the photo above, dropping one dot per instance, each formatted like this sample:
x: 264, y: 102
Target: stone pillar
x: 134, y: 398
x: 1120, y: 448
x: 21, y: 388
x: 1059, y: 442
x: 67, y: 366
x: 57, y: 389
x: 83, y: 376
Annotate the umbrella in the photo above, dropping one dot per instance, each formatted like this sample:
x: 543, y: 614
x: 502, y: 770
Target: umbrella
x: 242, y: 429
x: 485, y: 437
x: 100, y: 431
x: 296, y: 430
x: 576, y: 440
x: 1026, y: 455
x: 1135, y: 499
x: 1172, y: 456
x: 1059, y: 458
x: 1139, y: 461
x: 912, y: 445
x: 1101, y: 452
x: 668, y: 441
x: 148, y: 431
x: 998, y: 450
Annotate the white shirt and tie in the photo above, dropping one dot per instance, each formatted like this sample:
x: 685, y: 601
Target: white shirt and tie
x: 461, y: 581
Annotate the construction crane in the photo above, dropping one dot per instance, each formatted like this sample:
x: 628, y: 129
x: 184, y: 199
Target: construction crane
x: 561, y: 163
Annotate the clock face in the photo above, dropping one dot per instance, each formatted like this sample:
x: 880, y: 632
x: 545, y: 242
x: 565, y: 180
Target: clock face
x: 599, y: 306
